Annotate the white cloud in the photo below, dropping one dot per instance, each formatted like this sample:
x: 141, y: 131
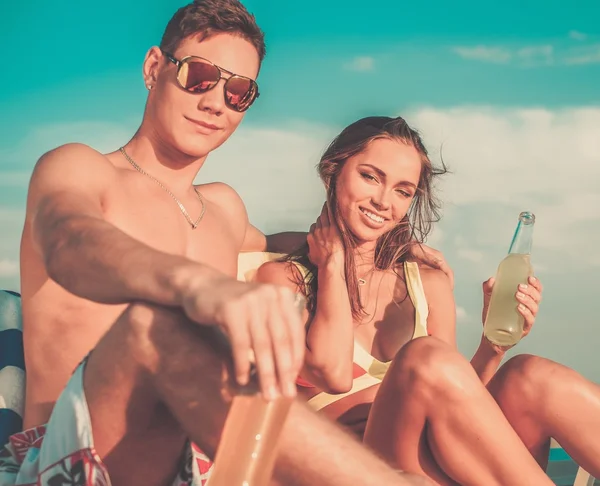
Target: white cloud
x: 11, y: 215
x: 536, y: 55
x: 507, y: 160
x: 462, y: 317
x: 14, y: 178
x: 541, y: 269
x: 8, y: 268
x: 361, y: 63
x: 470, y: 255
x: 558, y: 54
x: 498, y: 55
x: 436, y: 237
x: 578, y: 36
x: 585, y: 55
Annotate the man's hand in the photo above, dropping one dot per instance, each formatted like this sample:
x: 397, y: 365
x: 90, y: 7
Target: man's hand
x: 433, y: 258
x: 261, y: 319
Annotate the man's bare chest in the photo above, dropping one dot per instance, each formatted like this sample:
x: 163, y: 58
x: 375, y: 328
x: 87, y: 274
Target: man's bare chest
x: 157, y: 221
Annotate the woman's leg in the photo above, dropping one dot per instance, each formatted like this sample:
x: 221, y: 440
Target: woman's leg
x: 543, y: 399
x: 433, y: 416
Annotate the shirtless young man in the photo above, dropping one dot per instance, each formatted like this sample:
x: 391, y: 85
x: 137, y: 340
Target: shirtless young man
x: 111, y: 263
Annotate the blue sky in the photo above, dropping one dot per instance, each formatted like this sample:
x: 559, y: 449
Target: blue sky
x: 91, y: 53
x: 509, y: 90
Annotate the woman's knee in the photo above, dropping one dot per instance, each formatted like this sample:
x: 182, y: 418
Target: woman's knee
x: 524, y: 376
x: 431, y: 367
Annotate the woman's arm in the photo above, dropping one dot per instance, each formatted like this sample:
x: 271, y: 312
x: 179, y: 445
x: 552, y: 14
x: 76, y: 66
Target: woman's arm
x: 441, y: 322
x: 330, y: 333
x: 486, y: 361
x: 489, y: 356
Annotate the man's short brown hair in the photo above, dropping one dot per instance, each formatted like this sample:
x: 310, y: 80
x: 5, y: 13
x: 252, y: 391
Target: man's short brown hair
x: 205, y: 18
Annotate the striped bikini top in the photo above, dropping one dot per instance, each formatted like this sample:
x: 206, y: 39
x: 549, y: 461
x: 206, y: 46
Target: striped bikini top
x: 368, y: 370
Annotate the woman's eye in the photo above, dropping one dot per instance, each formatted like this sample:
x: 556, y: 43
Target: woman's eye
x: 368, y: 177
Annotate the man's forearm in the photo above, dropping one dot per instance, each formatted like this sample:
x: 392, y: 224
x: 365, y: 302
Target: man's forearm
x: 285, y: 242
x: 97, y: 261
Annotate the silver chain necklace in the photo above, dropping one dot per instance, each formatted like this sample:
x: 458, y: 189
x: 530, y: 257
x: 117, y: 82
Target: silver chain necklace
x: 193, y: 224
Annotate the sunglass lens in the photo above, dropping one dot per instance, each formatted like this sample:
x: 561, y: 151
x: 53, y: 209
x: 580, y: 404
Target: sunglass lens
x: 198, y: 76
x: 240, y: 92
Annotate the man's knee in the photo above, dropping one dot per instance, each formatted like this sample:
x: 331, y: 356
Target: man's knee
x: 140, y: 317
x: 433, y: 368
x: 165, y: 342
x: 143, y: 330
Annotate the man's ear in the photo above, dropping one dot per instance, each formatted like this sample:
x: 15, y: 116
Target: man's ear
x: 152, y: 65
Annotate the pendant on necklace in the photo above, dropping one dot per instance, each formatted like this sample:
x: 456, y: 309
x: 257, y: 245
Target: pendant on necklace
x: 361, y: 281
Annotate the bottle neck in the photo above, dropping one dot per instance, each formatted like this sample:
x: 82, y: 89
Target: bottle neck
x: 523, y: 239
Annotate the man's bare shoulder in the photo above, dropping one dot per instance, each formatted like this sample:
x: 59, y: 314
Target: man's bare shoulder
x: 71, y: 174
x: 221, y: 191
x: 73, y: 159
x: 226, y: 197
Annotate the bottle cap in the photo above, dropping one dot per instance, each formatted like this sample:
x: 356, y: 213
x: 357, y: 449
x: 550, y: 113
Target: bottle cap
x: 527, y: 217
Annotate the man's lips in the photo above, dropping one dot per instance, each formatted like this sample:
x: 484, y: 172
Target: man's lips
x: 208, y: 126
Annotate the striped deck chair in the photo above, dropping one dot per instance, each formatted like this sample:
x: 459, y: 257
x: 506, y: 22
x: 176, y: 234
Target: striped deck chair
x: 12, y: 366
x: 564, y: 471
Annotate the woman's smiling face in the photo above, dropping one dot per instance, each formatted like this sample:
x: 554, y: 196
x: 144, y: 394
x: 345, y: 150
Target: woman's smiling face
x: 376, y: 187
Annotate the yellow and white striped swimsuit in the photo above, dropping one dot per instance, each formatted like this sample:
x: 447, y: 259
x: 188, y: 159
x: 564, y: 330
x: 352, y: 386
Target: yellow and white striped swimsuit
x: 369, y: 371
